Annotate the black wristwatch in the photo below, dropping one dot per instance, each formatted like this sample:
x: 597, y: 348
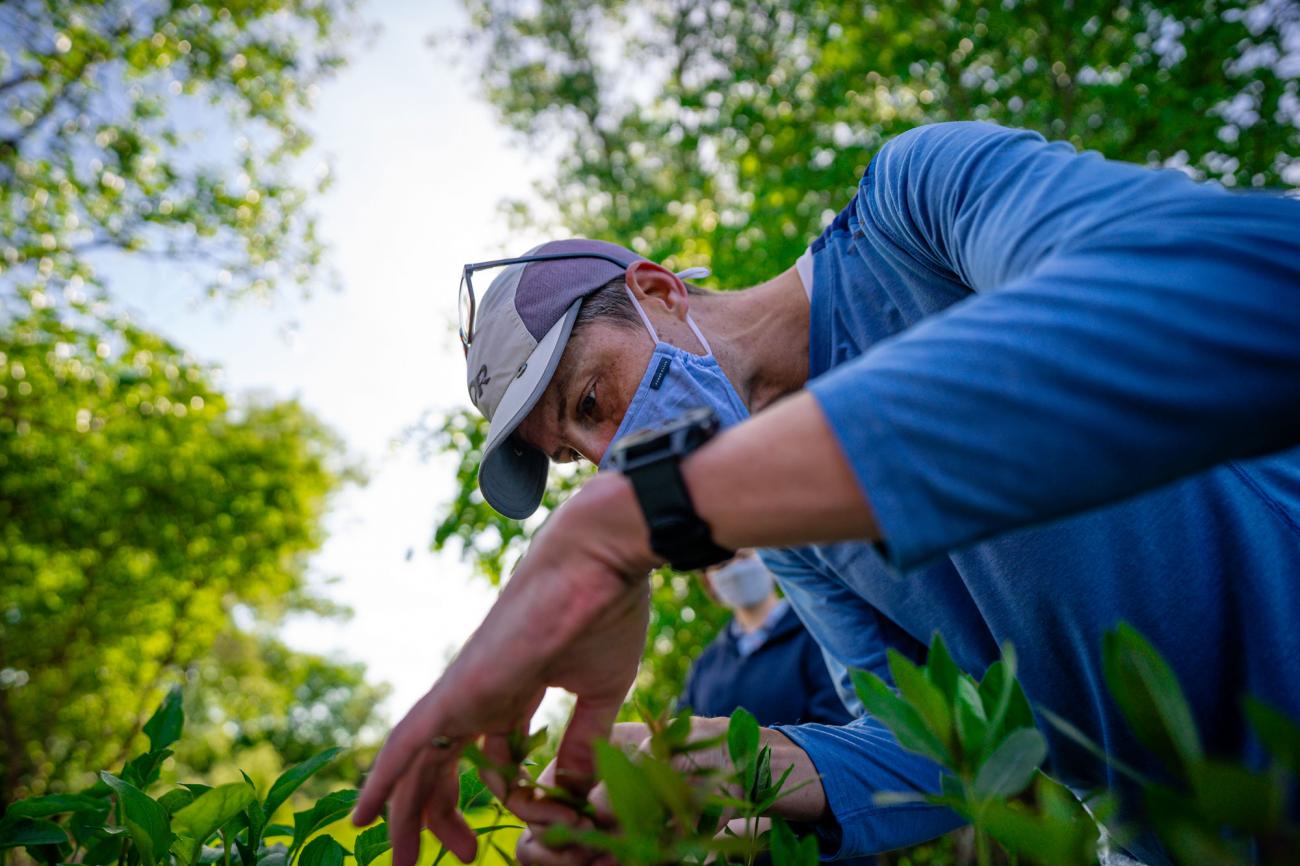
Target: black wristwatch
x: 651, y: 460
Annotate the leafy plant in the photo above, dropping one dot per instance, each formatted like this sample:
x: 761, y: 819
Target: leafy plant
x: 669, y: 807
x: 983, y: 735
x: 119, y: 821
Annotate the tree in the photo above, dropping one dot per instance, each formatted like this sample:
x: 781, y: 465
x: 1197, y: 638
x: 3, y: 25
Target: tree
x: 152, y: 529
x: 730, y: 132
x: 164, y: 129
x: 139, y: 510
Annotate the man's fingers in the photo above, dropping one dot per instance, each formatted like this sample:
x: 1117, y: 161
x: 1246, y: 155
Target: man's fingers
x: 531, y: 852
x: 404, y: 818
x: 442, y: 815
x: 402, y: 749
x: 531, y: 806
x: 496, y: 748
x: 574, y: 763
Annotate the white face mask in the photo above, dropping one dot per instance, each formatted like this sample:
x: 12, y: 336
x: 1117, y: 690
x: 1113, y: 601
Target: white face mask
x: 742, y: 583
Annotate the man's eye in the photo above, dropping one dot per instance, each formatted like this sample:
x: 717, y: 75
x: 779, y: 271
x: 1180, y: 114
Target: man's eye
x: 587, y: 405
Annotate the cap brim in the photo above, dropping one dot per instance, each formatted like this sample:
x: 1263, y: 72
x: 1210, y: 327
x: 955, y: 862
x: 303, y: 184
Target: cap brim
x: 512, y: 476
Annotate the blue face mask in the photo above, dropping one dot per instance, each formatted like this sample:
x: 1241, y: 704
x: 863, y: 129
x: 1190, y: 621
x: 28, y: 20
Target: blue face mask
x: 676, y: 381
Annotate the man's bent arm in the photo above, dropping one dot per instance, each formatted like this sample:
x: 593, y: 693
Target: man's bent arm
x: 1105, y: 354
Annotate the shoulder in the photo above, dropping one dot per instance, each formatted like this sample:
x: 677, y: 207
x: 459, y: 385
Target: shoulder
x: 952, y: 141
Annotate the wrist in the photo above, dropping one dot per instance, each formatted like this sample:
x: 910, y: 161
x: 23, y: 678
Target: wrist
x: 612, y: 520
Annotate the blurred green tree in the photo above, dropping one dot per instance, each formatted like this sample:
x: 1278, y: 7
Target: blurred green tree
x: 172, y: 130
x: 729, y: 132
x: 151, y: 529
x: 146, y: 521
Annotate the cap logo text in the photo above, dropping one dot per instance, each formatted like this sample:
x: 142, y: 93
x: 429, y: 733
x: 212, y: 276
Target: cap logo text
x: 476, y: 387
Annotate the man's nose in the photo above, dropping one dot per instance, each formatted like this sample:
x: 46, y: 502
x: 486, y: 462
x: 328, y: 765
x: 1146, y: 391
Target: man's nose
x: 592, y: 444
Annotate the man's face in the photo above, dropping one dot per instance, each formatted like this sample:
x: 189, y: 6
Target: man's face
x: 597, y: 377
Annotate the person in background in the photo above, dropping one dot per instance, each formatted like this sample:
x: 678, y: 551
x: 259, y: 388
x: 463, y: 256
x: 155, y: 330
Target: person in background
x: 764, y: 659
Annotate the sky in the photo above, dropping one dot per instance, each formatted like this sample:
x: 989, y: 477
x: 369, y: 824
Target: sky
x: 419, y: 166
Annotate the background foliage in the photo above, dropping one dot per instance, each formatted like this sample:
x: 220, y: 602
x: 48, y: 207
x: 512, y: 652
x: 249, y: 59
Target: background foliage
x: 154, y: 529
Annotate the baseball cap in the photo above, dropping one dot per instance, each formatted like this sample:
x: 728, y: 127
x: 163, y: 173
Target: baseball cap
x: 520, y: 328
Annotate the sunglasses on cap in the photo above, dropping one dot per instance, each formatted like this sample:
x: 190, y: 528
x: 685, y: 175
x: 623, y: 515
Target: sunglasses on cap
x: 466, y: 300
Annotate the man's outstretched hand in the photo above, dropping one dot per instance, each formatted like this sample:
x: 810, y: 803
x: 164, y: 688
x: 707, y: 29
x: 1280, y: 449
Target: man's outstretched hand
x: 572, y: 616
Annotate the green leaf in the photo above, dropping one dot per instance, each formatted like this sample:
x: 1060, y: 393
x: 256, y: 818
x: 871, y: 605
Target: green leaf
x: 205, y: 815
x: 28, y: 832
x: 1042, y: 839
x: 55, y: 804
x: 630, y: 794
x: 900, y: 717
x: 788, y: 849
x: 473, y: 793
x: 164, y: 726
x: 292, y: 778
x: 742, y: 746
x: 1188, y: 839
x: 327, y: 810
x: 1012, y: 765
x: 941, y: 669
x: 372, y: 842
x: 255, y: 818
x: 144, y: 818
x: 1147, y: 693
x: 1237, y: 797
x: 142, y: 770
x: 322, y: 851
x: 971, y: 723
x: 1279, y: 733
x: 176, y: 799
x: 924, y: 696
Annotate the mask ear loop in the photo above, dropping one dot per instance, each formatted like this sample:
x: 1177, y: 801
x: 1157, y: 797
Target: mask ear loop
x: 689, y: 273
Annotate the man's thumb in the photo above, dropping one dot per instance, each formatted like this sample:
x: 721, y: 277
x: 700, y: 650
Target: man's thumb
x: 575, y: 765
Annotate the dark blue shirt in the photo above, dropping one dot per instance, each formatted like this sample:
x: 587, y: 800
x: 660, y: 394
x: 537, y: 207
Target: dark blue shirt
x: 1038, y: 364
x: 783, y: 681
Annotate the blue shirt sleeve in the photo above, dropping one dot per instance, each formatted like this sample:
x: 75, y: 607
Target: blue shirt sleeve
x: 1124, y: 328
x: 861, y: 759
x: 856, y: 762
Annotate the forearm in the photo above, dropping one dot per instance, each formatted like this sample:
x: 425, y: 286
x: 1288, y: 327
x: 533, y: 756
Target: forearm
x: 779, y: 479
x: 806, y: 800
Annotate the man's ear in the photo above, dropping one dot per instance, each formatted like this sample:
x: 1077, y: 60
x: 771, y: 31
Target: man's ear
x: 652, y: 283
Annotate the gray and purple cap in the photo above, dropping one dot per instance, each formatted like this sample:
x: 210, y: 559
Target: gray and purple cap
x: 521, y: 327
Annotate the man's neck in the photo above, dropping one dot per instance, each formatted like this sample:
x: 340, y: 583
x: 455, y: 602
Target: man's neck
x: 751, y: 618
x: 760, y: 337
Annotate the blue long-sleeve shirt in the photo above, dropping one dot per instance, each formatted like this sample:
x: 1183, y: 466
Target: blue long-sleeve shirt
x: 1037, y: 363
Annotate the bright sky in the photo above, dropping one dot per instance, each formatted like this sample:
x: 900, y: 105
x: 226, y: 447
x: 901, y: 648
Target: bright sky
x: 420, y: 166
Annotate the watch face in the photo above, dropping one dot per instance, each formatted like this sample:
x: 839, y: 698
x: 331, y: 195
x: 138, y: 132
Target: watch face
x: 666, y: 437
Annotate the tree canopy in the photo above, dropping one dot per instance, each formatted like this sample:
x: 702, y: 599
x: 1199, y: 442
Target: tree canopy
x: 154, y: 529
x: 163, y: 129
x: 139, y: 509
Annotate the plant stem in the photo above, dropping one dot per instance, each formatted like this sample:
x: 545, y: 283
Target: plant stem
x: 225, y: 846
x: 982, y: 847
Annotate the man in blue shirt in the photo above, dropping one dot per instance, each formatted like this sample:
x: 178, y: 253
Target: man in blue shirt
x: 1006, y: 397
x: 763, y: 659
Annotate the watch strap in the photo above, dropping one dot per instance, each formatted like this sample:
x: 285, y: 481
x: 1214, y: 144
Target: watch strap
x: 677, y: 533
